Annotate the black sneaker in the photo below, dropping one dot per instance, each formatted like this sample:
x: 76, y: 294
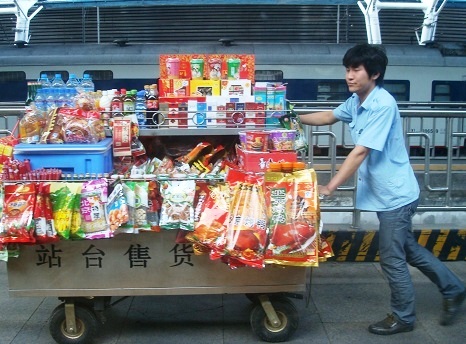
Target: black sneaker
x: 390, y: 325
x: 451, y: 308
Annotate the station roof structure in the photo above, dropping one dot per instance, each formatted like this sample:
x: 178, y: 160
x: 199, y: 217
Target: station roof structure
x: 133, y: 3
x: 418, y: 20
x: 54, y: 4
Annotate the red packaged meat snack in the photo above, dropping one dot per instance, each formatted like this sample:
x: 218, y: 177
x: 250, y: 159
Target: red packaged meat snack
x: 18, y: 214
x: 211, y: 215
x: 246, y: 235
x: 293, y: 213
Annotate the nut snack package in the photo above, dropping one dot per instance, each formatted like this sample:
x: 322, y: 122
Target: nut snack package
x: 293, y: 214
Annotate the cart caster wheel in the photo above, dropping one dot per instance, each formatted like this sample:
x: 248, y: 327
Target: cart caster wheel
x: 86, y: 325
x: 265, y: 330
x: 254, y: 298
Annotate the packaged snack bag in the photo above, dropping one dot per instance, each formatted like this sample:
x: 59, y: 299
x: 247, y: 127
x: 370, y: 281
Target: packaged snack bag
x: 293, y: 212
x: 178, y: 204
x: 18, y: 214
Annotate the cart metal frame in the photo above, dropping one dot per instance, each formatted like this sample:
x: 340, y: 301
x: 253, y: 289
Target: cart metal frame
x: 86, y: 274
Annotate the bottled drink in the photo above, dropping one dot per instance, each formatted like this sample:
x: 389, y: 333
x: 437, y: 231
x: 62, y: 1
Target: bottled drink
x: 116, y: 104
x: 140, y: 109
x: 44, y: 81
x: 50, y: 100
x: 87, y: 84
x: 70, y: 93
x: 73, y: 82
x: 105, y: 100
x: 30, y: 94
x: 106, y: 116
x: 58, y: 82
x: 152, y: 104
x: 40, y: 101
x: 146, y: 91
x: 128, y: 103
x: 60, y: 100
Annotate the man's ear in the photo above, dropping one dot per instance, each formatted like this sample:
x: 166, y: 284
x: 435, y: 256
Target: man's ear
x: 375, y: 76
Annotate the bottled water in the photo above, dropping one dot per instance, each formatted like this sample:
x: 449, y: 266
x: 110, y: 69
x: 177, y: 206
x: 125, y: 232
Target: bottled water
x: 86, y: 83
x: 40, y: 101
x: 50, y: 100
x: 58, y: 81
x: 140, y: 108
x: 44, y: 81
x: 70, y: 96
x: 72, y: 82
x: 60, y: 100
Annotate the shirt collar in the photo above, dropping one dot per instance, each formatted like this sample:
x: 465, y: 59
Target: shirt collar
x: 370, y: 97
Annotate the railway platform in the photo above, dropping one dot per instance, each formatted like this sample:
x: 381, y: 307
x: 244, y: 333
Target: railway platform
x: 346, y: 298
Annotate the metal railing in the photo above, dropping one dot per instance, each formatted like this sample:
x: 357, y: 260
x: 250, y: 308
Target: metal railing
x: 435, y: 135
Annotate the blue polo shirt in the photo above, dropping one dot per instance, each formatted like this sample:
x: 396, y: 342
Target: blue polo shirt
x: 386, y: 180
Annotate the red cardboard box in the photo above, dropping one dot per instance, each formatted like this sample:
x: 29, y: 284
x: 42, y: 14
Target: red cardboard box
x: 259, y: 161
x: 173, y: 87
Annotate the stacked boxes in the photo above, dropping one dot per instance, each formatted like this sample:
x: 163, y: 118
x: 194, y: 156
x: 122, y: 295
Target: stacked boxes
x: 225, y: 82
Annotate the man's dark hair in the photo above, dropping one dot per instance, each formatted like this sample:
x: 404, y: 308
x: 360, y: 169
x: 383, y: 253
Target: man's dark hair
x: 372, y: 57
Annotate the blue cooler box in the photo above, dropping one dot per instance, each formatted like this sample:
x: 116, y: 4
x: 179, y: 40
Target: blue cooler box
x: 68, y: 157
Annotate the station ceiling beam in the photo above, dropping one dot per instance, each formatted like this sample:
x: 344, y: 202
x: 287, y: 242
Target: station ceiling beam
x: 137, y: 3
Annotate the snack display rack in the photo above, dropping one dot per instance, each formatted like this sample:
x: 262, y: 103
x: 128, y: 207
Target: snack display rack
x: 89, y: 276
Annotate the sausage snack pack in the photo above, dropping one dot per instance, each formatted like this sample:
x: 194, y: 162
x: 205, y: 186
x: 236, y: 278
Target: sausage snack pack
x: 293, y: 214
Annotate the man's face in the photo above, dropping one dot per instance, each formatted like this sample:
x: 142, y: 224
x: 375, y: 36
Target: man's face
x: 359, y: 82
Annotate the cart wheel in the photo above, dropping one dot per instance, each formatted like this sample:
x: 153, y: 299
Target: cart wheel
x: 265, y: 330
x: 86, y: 325
x: 254, y: 297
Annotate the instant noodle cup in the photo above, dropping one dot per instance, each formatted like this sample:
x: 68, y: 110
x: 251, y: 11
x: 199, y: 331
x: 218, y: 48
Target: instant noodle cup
x: 282, y: 140
x: 242, y: 139
x: 173, y: 67
x: 197, y: 69
x: 257, y: 140
x: 233, y: 66
x: 215, y: 68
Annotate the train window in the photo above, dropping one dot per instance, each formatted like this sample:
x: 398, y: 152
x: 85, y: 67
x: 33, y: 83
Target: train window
x: 12, y: 76
x: 332, y: 90
x: 399, y: 89
x: 51, y: 74
x: 100, y: 74
x: 268, y: 75
x: 454, y: 91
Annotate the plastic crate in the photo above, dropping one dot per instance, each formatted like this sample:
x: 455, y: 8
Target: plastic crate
x: 68, y: 157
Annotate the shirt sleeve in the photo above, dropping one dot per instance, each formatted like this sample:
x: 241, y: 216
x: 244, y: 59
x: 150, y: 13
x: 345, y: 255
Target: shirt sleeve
x: 377, y: 128
x: 343, y: 111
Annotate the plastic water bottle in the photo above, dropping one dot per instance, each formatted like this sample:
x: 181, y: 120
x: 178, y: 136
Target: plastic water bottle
x: 73, y: 82
x: 58, y: 82
x: 44, y: 81
x: 60, y: 100
x: 50, y: 100
x: 86, y: 83
x: 40, y: 102
x: 70, y: 97
x: 140, y: 108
